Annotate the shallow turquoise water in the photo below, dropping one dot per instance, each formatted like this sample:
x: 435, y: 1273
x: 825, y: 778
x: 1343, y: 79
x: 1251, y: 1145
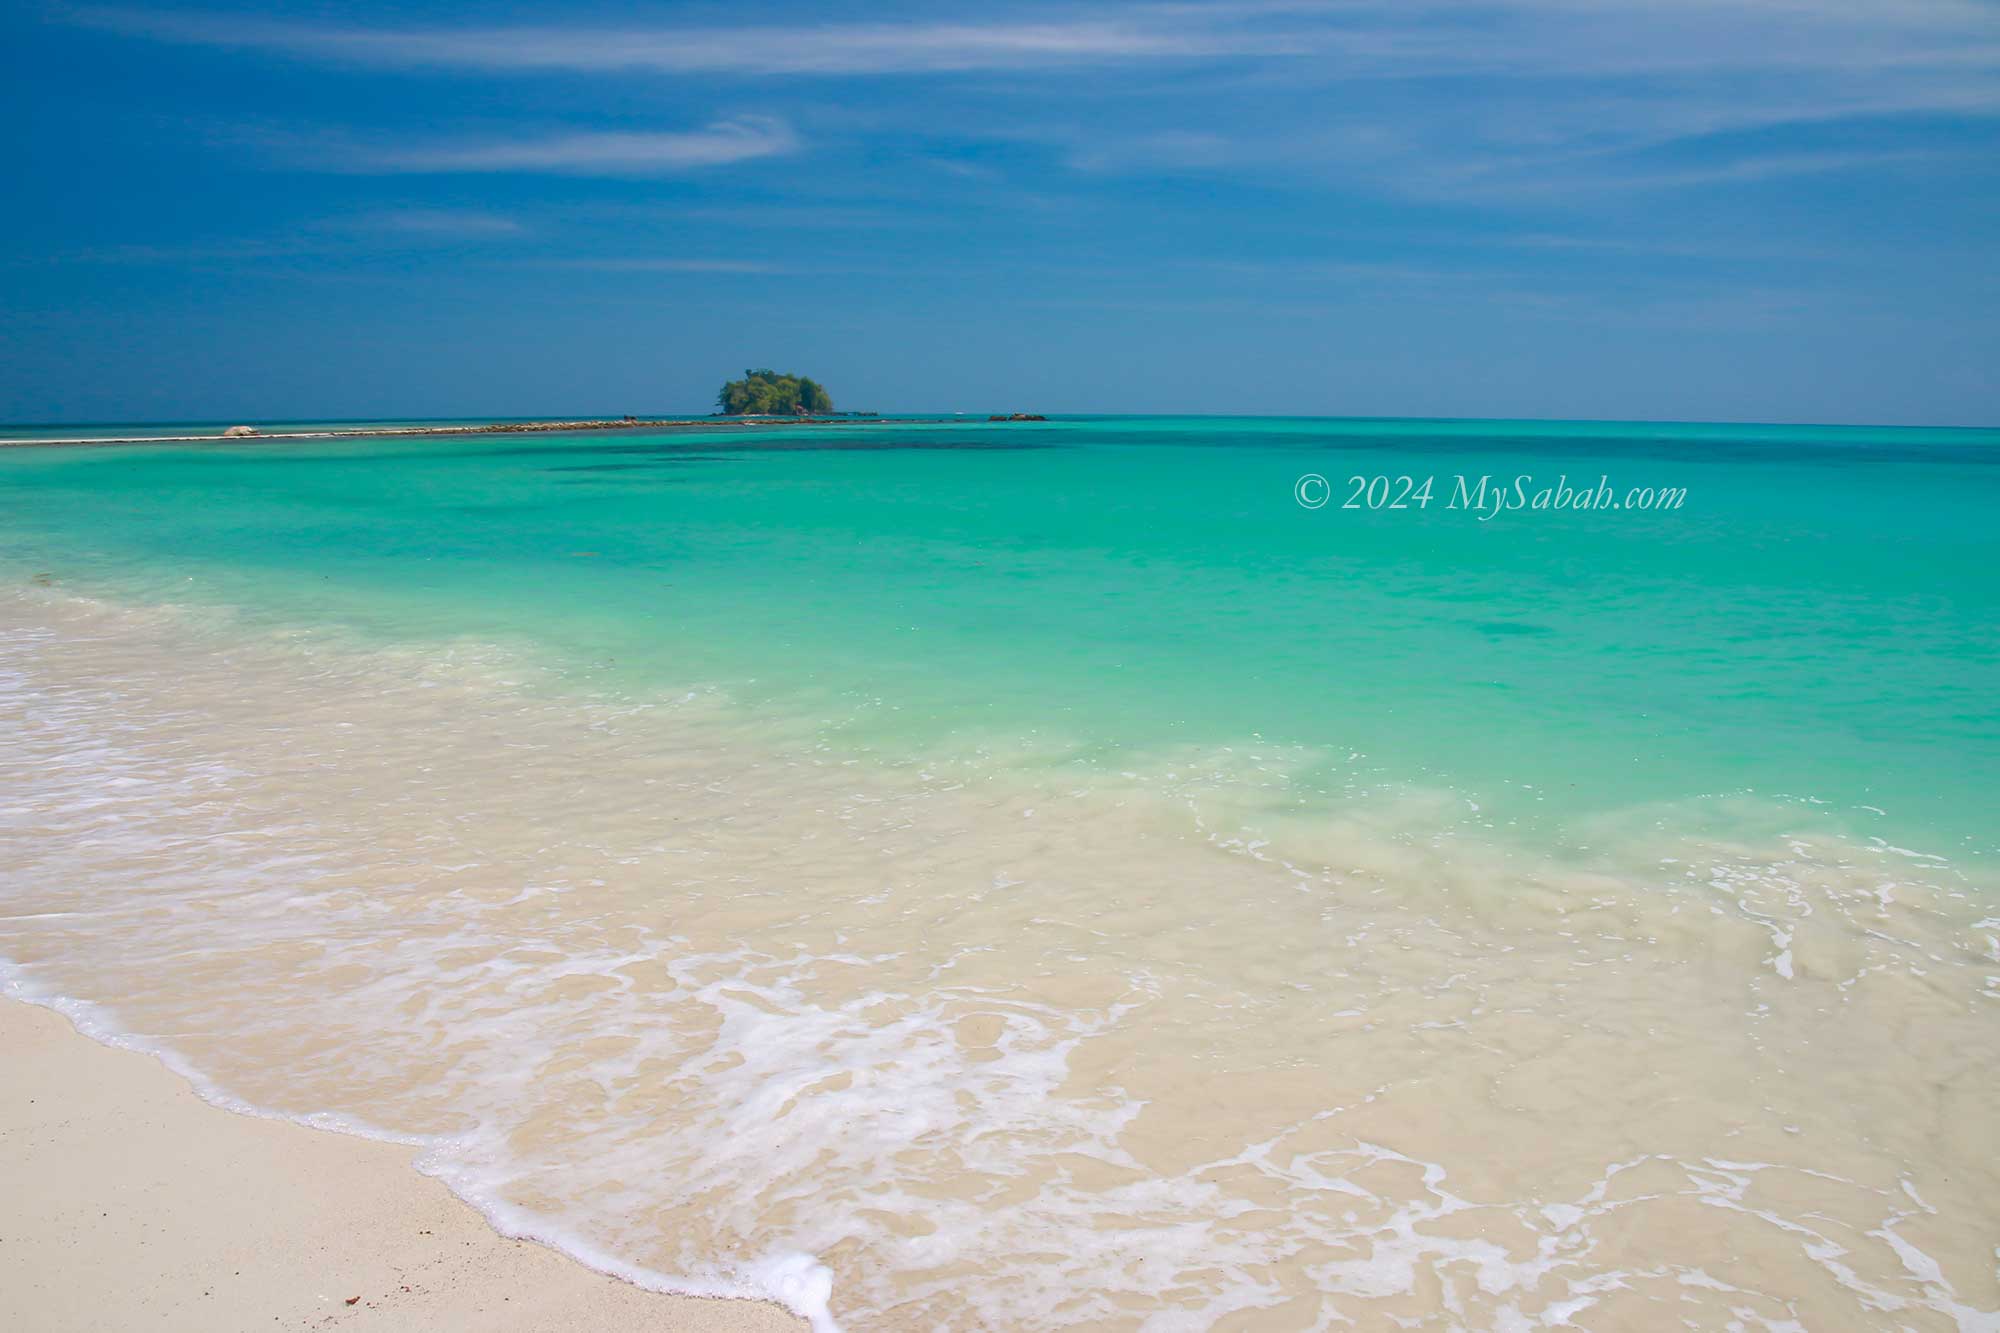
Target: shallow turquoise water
x: 1818, y: 623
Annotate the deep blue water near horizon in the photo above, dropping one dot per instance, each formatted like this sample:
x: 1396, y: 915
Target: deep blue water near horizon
x: 1476, y: 426
x: 1815, y: 626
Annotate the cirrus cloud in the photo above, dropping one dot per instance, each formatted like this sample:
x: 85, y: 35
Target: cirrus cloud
x: 596, y: 152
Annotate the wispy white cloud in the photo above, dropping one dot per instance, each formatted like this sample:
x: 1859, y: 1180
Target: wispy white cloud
x: 648, y: 264
x: 829, y: 49
x: 1439, y: 98
x: 815, y: 217
x: 592, y: 153
x: 1622, y: 246
x: 1362, y: 38
x: 438, y: 223
x: 338, y: 236
x: 1758, y: 167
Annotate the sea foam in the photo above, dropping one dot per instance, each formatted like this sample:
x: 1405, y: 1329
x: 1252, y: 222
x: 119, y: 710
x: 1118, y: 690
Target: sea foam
x: 726, y: 1015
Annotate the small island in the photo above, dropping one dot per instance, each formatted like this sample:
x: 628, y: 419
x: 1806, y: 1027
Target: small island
x: 767, y: 393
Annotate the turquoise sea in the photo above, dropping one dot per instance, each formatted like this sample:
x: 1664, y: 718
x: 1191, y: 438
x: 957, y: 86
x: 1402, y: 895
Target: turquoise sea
x: 1817, y: 624
x: 1077, y: 874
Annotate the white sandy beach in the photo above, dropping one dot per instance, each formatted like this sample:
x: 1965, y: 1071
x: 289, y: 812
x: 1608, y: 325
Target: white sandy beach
x: 1021, y: 1052
x: 131, y: 1203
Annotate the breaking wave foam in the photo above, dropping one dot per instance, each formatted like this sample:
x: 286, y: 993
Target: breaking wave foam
x: 952, y: 1044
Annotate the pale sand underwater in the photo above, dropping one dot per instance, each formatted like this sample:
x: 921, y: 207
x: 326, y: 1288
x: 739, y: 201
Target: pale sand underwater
x: 958, y: 1045
x: 132, y: 1204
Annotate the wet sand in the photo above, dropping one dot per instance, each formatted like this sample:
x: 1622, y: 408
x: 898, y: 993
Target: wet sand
x: 131, y: 1203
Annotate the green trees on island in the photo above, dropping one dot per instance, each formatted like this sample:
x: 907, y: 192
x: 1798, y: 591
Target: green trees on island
x: 766, y: 391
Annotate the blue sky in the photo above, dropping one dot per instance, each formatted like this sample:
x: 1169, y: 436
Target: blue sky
x: 1759, y: 209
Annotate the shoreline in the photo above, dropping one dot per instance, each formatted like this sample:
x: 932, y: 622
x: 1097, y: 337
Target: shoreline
x: 689, y: 971
x: 137, y: 1203
x: 379, y: 432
